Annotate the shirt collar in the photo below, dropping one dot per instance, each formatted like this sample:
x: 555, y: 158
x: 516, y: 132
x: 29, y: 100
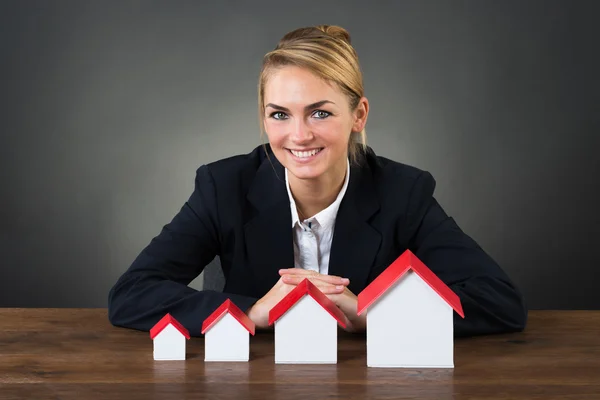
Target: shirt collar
x: 326, y: 217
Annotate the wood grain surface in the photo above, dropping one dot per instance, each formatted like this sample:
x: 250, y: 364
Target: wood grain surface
x: 77, y: 354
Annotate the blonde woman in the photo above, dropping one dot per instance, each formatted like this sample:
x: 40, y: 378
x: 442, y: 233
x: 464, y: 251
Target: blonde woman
x: 314, y: 202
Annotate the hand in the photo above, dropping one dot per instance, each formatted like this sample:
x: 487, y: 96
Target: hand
x: 344, y: 299
x: 348, y: 303
x: 293, y: 276
x: 259, y: 312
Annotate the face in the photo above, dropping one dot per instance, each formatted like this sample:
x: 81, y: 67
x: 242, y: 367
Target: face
x: 308, y: 122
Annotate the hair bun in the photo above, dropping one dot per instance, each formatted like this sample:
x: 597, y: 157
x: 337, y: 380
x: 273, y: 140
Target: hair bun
x: 335, y: 31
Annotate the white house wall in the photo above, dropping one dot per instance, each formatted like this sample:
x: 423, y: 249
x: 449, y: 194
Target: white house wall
x: 227, y: 340
x: 410, y: 326
x: 169, y: 344
x: 306, y: 334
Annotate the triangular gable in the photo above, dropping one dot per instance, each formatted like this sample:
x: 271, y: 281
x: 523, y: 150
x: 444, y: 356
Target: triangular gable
x: 395, y: 271
x: 305, y: 287
x: 228, y: 307
x: 164, y: 322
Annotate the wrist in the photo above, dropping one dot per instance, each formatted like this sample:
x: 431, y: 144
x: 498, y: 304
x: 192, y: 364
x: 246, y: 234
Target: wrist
x: 255, y: 314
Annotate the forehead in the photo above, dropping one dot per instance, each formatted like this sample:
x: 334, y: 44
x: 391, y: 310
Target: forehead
x: 291, y: 84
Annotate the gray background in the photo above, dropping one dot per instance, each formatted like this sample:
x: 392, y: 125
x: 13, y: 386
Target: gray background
x: 107, y: 109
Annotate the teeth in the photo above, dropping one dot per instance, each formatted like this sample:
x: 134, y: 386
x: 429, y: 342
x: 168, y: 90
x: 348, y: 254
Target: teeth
x: 303, y: 154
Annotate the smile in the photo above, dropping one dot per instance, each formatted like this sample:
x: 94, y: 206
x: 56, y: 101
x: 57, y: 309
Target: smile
x: 305, y: 154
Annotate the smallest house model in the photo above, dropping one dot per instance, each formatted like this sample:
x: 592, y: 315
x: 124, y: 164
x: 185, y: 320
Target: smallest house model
x: 227, y: 334
x: 169, y: 338
x: 306, y: 326
x: 410, y: 317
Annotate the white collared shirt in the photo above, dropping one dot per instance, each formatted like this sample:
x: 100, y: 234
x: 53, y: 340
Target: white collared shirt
x: 313, y: 236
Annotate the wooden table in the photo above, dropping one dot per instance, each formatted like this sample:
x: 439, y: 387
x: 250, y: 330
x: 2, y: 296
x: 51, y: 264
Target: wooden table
x: 77, y: 354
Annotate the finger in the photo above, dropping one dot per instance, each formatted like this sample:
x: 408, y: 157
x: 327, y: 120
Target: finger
x: 297, y: 271
x: 336, y: 280
x: 331, y: 290
x: 328, y: 288
x: 322, y: 286
x: 294, y: 279
x: 333, y: 280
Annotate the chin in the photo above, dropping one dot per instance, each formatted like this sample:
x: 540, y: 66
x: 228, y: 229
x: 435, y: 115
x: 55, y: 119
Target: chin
x: 305, y: 172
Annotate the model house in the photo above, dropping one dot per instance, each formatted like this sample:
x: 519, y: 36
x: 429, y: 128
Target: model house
x: 306, y: 327
x: 410, y: 317
x: 169, y: 338
x: 227, y: 334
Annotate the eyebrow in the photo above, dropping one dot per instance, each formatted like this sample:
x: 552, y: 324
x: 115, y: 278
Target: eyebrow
x: 308, y: 107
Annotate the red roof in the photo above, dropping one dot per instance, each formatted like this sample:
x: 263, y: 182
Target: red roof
x: 234, y: 311
x: 164, y: 322
x: 306, y: 287
x: 395, y: 271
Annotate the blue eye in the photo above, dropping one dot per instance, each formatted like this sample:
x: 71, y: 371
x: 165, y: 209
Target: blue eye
x: 278, y: 115
x: 320, y: 114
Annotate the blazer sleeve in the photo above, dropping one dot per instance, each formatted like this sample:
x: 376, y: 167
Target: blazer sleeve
x: 490, y: 301
x: 157, y: 281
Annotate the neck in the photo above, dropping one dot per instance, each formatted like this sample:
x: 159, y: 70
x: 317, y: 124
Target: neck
x: 314, y: 195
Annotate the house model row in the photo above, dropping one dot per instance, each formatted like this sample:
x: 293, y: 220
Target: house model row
x: 409, y: 323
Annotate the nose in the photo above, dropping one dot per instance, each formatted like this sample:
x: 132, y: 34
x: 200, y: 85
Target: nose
x: 301, y: 132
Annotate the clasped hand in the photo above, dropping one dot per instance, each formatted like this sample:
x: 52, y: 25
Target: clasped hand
x: 334, y: 287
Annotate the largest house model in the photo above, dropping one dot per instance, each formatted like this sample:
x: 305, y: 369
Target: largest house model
x: 410, y: 317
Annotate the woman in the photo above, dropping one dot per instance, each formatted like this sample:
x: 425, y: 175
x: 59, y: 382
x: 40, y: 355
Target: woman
x: 315, y: 202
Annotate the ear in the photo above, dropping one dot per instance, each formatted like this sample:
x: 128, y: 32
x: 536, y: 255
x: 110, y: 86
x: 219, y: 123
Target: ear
x: 360, y: 114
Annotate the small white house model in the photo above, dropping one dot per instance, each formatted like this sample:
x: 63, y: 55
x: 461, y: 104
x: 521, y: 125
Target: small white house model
x: 306, y: 327
x: 410, y: 317
x: 227, y: 334
x: 169, y: 338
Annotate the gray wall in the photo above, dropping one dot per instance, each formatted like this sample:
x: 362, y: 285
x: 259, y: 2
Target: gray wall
x: 107, y: 109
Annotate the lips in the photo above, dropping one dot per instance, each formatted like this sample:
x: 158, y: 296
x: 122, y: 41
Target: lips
x: 305, y: 153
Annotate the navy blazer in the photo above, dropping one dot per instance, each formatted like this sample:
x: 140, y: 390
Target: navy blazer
x: 240, y: 211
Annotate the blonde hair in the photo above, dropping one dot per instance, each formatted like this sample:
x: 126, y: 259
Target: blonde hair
x: 327, y: 52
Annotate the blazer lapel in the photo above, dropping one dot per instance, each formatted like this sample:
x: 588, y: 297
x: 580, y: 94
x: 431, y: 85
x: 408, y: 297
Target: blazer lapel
x: 355, y: 242
x: 268, y: 235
